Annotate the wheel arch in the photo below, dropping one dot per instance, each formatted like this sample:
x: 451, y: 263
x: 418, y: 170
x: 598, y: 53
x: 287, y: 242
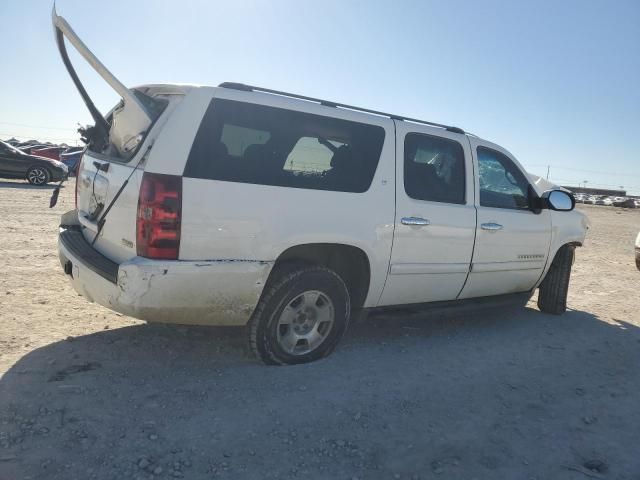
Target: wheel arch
x: 552, y: 256
x: 351, y: 263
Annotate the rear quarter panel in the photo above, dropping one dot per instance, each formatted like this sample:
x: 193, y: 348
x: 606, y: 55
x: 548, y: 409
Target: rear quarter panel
x: 237, y: 221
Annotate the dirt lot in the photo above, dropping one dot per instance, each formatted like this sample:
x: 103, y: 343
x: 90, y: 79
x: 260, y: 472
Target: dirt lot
x: 498, y: 394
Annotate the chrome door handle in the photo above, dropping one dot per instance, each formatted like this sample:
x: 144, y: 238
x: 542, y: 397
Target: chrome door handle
x: 491, y: 226
x: 414, y: 221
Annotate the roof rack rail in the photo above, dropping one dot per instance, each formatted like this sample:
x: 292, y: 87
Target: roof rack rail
x: 327, y: 103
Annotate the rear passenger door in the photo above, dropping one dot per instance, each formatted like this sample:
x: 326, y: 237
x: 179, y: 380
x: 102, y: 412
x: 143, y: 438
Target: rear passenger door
x: 435, y: 216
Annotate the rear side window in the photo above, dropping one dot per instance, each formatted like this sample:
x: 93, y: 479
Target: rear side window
x: 434, y: 169
x: 502, y: 184
x: 237, y: 139
x: 249, y: 143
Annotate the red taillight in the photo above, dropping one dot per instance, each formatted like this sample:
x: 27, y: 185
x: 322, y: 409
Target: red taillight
x: 159, y: 214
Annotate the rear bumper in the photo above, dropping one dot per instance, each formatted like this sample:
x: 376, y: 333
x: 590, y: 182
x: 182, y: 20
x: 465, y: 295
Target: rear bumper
x: 75, y: 246
x: 222, y: 292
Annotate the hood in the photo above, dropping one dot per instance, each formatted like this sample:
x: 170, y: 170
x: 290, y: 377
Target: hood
x: 542, y: 184
x: 49, y: 160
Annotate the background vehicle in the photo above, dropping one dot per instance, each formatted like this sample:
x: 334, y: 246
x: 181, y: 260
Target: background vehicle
x: 288, y: 214
x: 624, y: 202
x: 29, y: 148
x: 37, y: 170
x: 71, y: 157
x: 49, y: 152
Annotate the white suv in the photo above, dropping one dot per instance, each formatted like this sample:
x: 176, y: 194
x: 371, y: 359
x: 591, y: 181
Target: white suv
x: 235, y: 205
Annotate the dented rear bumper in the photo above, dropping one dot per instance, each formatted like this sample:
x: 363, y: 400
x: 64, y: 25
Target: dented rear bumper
x: 217, y: 292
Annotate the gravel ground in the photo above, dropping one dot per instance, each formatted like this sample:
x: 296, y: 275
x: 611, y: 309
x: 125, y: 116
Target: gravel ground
x: 496, y: 394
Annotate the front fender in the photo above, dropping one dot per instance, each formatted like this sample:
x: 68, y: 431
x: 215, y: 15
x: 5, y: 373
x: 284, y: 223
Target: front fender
x: 566, y: 228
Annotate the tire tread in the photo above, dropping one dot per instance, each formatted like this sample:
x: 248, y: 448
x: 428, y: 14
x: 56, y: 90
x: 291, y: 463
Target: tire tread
x: 286, y: 275
x: 552, y: 295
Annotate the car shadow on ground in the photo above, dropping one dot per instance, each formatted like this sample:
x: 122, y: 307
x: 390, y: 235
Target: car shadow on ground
x: 509, y: 393
x: 28, y: 186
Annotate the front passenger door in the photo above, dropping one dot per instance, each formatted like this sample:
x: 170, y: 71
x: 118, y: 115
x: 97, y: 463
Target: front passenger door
x: 512, y: 241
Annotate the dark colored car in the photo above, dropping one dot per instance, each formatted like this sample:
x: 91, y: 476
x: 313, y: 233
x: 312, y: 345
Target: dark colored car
x: 37, y: 170
x: 626, y: 203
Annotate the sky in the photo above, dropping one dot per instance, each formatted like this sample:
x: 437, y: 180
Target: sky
x: 554, y: 82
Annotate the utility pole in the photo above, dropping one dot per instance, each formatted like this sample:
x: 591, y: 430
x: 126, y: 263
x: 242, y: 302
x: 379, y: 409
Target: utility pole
x: 548, y: 168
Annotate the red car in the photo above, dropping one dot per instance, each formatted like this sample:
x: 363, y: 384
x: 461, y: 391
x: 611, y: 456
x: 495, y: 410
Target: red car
x: 49, y: 152
x: 28, y: 148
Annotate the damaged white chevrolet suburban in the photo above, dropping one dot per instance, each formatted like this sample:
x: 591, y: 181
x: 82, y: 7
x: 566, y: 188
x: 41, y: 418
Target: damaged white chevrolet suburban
x: 237, y: 205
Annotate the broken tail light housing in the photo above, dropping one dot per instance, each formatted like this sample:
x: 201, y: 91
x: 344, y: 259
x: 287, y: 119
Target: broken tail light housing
x: 159, y: 216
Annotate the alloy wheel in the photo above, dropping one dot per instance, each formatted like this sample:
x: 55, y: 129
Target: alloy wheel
x: 37, y: 176
x: 305, y: 322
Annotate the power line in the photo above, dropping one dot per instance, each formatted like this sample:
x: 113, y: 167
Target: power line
x: 76, y: 139
x: 595, y: 184
x: 36, y: 126
x: 588, y: 171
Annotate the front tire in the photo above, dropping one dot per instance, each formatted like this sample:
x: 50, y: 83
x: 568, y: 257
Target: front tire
x: 38, y: 176
x: 301, y: 316
x: 552, y: 294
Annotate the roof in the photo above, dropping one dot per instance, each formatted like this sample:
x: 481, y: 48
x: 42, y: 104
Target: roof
x: 328, y: 103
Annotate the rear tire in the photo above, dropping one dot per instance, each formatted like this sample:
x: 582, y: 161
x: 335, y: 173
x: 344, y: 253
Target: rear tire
x: 302, y: 315
x: 38, y: 176
x: 552, y: 294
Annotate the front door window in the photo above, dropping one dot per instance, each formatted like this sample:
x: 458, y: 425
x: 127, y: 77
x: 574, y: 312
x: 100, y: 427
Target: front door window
x: 502, y: 184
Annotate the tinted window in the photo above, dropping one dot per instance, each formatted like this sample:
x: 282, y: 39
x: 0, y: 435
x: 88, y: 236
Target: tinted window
x: 434, y: 169
x: 502, y: 184
x: 237, y: 139
x: 248, y: 143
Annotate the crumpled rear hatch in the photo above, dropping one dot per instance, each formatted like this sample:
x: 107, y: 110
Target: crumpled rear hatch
x: 122, y: 130
x: 111, y: 168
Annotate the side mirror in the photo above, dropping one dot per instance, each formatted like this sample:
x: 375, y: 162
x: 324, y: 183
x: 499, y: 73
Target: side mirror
x: 558, y: 200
